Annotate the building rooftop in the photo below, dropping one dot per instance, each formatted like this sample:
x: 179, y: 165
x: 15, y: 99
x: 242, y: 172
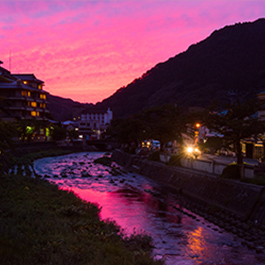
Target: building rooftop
x: 92, y: 111
x: 28, y: 77
x: 18, y: 84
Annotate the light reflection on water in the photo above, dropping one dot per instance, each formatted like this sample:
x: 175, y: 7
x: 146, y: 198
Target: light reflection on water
x: 136, y: 203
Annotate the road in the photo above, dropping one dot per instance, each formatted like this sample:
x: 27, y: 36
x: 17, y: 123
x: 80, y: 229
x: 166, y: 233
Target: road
x: 227, y: 159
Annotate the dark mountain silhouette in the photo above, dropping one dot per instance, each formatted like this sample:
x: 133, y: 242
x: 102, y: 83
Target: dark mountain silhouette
x: 231, y: 61
x: 63, y: 109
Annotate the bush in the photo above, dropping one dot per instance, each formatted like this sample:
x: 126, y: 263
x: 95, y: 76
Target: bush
x: 175, y: 160
x: 232, y: 171
x: 104, y: 160
x: 139, y: 241
x: 58, y: 133
x: 155, y: 156
x: 256, y: 180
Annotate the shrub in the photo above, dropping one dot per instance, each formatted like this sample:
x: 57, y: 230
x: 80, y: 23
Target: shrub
x: 256, y: 180
x: 155, y: 156
x: 175, y: 160
x: 139, y: 241
x: 232, y: 171
x: 104, y: 160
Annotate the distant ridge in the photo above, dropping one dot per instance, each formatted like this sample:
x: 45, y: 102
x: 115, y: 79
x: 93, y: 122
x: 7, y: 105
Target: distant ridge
x: 62, y: 109
x: 231, y: 59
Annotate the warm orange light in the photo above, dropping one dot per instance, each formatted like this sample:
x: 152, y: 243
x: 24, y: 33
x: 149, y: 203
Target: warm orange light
x: 198, y: 125
x: 33, y: 104
x: 35, y: 113
x: 189, y: 149
x: 196, y: 241
x: 24, y: 93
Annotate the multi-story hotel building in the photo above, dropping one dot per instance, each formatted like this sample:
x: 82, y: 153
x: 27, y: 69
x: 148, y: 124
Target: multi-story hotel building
x: 21, y: 97
x: 93, y: 123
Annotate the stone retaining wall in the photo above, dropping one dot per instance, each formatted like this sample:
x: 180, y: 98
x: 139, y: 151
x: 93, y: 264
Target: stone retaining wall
x: 245, y: 200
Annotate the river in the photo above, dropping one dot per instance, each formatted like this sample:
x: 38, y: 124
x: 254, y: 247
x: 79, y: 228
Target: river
x: 139, y: 204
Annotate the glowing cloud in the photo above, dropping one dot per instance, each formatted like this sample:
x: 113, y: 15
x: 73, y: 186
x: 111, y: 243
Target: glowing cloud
x: 86, y: 50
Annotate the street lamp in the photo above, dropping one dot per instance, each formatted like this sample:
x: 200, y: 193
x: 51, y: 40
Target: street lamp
x: 196, y: 133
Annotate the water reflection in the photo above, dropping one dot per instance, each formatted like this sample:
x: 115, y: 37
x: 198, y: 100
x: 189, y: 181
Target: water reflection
x: 196, y: 242
x: 138, y: 203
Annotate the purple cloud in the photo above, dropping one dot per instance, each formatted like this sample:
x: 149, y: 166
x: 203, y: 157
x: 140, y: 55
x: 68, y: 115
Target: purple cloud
x: 87, y: 50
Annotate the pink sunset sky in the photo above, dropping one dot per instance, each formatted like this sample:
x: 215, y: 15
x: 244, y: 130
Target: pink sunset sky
x: 86, y: 50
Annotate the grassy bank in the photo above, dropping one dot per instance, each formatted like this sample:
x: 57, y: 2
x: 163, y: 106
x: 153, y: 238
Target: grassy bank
x: 29, y: 158
x: 41, y: 224
x: 9, y: 160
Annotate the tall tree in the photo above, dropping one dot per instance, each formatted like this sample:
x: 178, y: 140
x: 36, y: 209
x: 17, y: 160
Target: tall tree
x: 237, y: 121
x: 164, y: 123
x: 7, y: 131
x: 127, y: 130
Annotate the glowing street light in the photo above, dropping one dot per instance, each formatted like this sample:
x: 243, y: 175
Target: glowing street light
x: 189, y: 149
x: 193, y: 151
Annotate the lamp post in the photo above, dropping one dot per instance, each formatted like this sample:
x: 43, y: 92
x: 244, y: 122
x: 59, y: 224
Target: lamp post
x: 196, y: 133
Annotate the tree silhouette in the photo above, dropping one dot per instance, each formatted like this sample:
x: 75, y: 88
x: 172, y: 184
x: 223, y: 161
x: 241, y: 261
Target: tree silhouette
x: 236, y: 122
x: 164, y: 123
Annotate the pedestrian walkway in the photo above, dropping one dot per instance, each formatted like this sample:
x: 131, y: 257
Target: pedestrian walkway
x: 227, y: 160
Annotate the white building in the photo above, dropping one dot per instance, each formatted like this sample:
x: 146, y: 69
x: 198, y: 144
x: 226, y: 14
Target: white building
x: 93, y: 123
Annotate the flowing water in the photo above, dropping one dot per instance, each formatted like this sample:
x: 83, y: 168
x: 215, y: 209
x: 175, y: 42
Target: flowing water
x: 139, y: 204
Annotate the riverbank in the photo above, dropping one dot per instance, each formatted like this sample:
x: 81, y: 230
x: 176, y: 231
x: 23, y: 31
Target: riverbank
x: 25, y: 153
x: 235, y: 206
x: 42, y: 224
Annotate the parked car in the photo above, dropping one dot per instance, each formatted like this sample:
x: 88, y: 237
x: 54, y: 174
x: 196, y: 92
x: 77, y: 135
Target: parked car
x: 155, y: 145
x: 226, y: 152
x: 151, y: 144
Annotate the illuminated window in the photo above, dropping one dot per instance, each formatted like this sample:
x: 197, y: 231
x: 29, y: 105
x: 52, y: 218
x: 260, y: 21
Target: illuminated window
x: 29, y: 104
x: 40, y: 86
x: 42, y: 96
x: 35, y: 113
x: 24, y: 93
x: 43, y: 105
x: 33, y: 104
x: 28, y: 93
x: 47, y: 131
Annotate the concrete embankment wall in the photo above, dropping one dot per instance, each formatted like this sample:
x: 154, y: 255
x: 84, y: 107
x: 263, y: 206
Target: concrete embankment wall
x: 245, y: 200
